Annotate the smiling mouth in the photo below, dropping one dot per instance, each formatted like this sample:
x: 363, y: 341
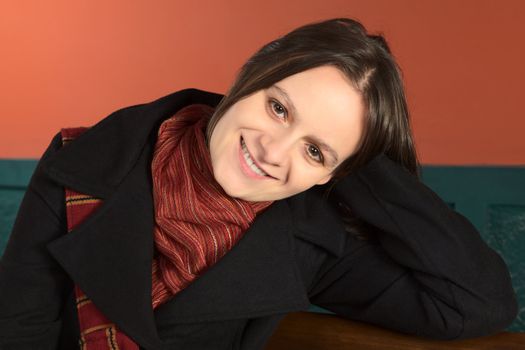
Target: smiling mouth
x: 250, y: 162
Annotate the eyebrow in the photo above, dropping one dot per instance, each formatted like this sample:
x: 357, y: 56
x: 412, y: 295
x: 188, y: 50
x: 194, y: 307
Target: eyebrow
x: 323, y: 145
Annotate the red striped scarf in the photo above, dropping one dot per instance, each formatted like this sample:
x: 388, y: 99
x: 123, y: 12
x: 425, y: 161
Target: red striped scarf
x: 196, y: 222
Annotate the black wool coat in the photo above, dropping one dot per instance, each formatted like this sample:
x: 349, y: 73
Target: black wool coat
x: 429, y: 273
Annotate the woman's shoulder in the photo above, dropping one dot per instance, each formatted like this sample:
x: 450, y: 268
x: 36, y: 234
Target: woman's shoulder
x: 316, y: 220
x: 132, y: 124
x: 108, y: 149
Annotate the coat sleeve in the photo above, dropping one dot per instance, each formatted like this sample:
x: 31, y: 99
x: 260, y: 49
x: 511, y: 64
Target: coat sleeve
x: 33, y: 287
x: 431, y: 274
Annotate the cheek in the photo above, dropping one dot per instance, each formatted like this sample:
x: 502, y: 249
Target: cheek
x: 222, y: 132
x: 304, y: 177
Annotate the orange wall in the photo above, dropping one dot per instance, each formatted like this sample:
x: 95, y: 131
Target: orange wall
x: 71, y: 63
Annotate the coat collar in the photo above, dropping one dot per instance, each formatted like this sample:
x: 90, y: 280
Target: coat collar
x: 109, y: 255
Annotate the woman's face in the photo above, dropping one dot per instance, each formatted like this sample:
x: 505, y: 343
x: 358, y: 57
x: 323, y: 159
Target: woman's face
x: 283, y: 140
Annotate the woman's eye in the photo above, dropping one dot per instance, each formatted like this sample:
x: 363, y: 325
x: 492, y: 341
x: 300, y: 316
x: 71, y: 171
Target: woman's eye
x: 278, y: 109
x: 314, y: 153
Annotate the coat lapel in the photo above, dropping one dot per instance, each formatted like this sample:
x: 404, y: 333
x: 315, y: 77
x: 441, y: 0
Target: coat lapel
x: 110, y: 254
x: 109, y: 257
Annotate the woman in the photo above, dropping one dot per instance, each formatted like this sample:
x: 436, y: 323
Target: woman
x: 215, y: 215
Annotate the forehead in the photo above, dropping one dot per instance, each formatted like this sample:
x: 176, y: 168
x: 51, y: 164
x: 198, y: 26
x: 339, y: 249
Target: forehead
x: 327, y: 106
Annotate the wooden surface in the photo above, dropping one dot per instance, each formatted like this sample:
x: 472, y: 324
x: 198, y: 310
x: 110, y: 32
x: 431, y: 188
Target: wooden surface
x: 313, y: 331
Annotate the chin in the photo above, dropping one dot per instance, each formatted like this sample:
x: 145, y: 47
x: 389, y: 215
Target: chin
x: 229, y: 187
x: 248, y: 197
x: 237, y: 193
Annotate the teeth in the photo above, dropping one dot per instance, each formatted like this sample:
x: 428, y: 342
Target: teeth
x: 250, y: 161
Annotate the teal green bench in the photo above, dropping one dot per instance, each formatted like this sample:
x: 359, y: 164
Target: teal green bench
x: 491, y: 197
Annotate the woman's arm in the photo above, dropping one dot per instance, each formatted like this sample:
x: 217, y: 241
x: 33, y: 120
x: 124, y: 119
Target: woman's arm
x: 32, y: 285
x: 431, y: 273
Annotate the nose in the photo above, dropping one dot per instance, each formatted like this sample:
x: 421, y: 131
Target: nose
x: 276, y: 149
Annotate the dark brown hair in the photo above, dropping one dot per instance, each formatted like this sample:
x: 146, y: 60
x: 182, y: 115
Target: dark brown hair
x: 366, y: 61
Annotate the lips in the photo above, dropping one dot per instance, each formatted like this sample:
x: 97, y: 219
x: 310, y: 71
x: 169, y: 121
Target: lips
x: 249, y: 165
